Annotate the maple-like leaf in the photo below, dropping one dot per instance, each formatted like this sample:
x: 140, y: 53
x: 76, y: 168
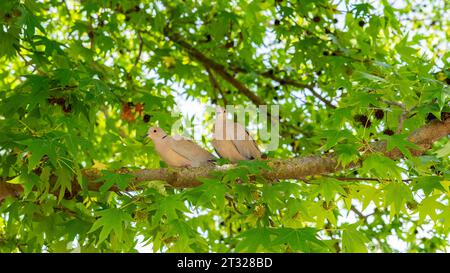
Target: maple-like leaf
x: 111, y: 220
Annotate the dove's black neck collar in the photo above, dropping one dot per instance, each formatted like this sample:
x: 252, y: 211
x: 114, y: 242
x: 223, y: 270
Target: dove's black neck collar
x: 164, y: 137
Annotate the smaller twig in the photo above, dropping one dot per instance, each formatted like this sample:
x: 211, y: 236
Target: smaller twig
x: 233, y: 204
x: 69, y: 87
x: 363, y: 179
x: 359, y: 213
x: 373, y: 213
x: 91, y: 33
x: 28, y: 63
x: 27, y: 127
x: 215, y: 85
x: 287, y: 81
x: 401, y: 121
x: 395, y: 103
x: 300, y: 99
x: 23, y: 58
x: 141, y: 44
x: 213, y: 65
x: 67, y: 9
x: 403, y: 116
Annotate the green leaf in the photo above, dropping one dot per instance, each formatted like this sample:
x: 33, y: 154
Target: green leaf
x: 302, y: 239
x: 168, y: 208
x: 121, y: 180
x: 333, y: 137
x: 8, y: 41
x: 428, y: 184
x: 382, y: 167
x: 397, y: 194
x: 236, y: 174
x: 111, y: 220
x: 399, y: 141
x: 347, y: 153
x: 254, y: 240
x: 428, y: 207
x: 363, y: 99
x: 329, y: 187
x: 444, y: 151
x: 39, y: 148
x: 353, y: 241
x: 370, y: 77
x: 64, y: 181
x: 212, y: 191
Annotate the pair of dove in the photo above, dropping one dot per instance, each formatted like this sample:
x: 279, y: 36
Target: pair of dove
x: 230, y: 140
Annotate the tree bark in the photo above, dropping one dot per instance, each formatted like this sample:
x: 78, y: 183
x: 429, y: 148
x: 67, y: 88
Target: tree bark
x: 291, y: 168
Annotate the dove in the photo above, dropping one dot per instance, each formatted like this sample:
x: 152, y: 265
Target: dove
x: 231, y: 140
x: 178, y: 151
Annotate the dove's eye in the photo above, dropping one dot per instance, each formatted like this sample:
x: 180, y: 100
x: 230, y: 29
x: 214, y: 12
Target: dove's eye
x: 154, y: 131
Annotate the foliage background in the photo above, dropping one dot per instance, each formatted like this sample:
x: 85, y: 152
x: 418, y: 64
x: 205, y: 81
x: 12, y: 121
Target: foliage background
x: 81, y: 81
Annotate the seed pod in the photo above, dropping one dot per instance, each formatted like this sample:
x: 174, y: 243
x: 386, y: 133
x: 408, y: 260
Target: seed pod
x: 230, y: 44
x: 146, y: 118
x: 379, y: 114
x: 360, y: 118
x: 67, y: 108
x: 363, y: 120
x: 412, y: 205
x: 431, y: 117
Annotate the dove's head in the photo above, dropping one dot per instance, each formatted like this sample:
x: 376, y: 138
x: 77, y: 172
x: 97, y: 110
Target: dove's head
x: 156, y: 133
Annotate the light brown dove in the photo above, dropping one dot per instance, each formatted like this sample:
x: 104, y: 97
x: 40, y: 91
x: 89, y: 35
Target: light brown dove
x: 231, y: 140
x: 178, y: 151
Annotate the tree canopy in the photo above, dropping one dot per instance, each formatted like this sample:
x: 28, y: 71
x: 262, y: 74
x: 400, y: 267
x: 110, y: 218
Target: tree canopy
x: 362, y: 163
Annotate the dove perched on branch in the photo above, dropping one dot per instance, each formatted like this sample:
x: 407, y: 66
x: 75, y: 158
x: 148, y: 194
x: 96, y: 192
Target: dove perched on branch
x: 178, y: 151
x: 231, y: 140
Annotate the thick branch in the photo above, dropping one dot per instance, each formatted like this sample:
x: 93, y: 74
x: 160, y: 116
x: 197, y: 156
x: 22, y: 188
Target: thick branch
x: 293, y: 168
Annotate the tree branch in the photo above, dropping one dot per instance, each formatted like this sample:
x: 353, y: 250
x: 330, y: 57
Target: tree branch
x: 359, y: 213
x: 292, y: 168
x: 310, y: 88
x: 218, y: 68
x: 221, y: 70
x: 364, y: 179
x: 215, y: 85
x: 141, y: 44
x: 271, y: 75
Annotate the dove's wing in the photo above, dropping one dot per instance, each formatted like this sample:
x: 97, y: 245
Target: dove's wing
x: 224, y: 145
x: 190, y: 150
x: 244, y: 143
